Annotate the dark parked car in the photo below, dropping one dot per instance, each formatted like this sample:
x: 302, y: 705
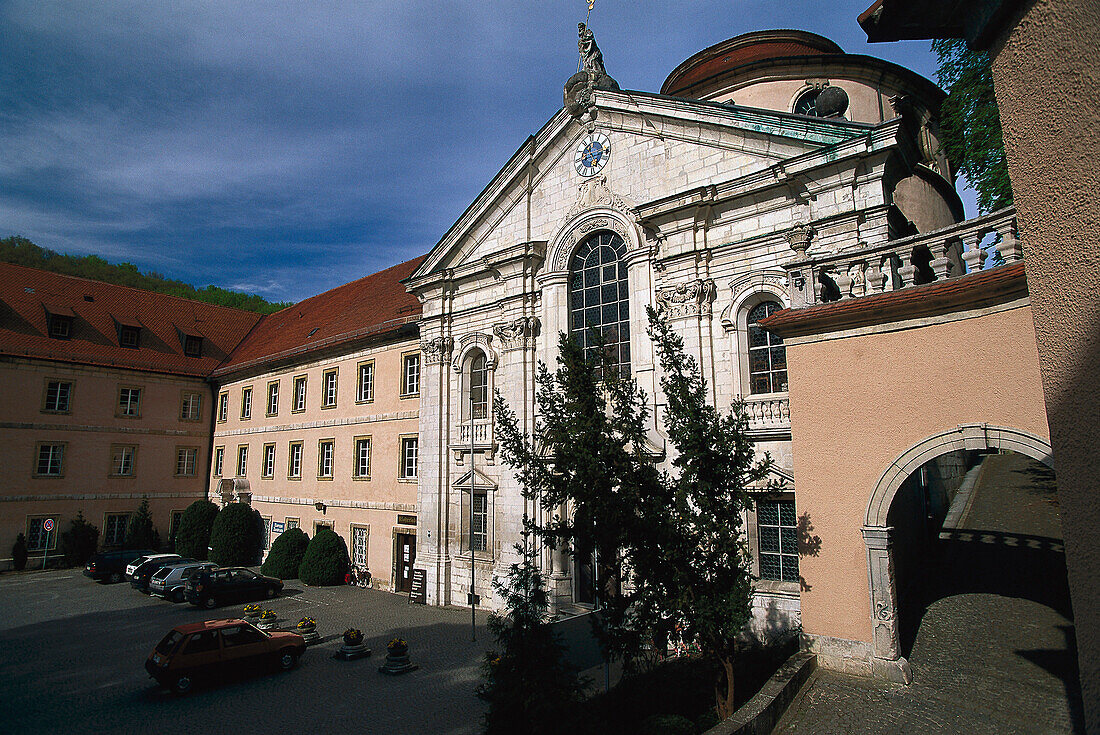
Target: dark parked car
x: 109, y: 566
x: 140, y: 577
x: 232, y: 584
x: 169, y: 581
x: 199, y: 650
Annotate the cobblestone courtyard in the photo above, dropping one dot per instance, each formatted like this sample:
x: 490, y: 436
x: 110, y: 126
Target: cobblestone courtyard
x: 994, y: 651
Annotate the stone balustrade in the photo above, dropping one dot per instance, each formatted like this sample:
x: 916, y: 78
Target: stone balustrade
x: 483, y: 433
x: 768, y: 414
x: 911, y: 261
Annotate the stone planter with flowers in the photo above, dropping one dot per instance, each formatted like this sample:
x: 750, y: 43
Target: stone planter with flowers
x: 252, y: 613
x: 307, y: 628
x: 268, y: 620
x: 353, y: 646
x: 397, y: 658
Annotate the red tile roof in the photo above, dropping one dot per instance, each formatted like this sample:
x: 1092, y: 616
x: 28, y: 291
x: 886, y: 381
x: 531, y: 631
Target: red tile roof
x: 973, y: 290
x: 97, y: 308
x: 370, y: 307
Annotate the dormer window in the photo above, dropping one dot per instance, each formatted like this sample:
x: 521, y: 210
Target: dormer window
x: 61, y: 327
x: 192, y: 345
x: 129, y: 336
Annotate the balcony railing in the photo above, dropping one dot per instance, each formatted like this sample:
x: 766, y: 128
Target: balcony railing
x: 768, y: 414
x: 897, y: 264
x: 483, y: 433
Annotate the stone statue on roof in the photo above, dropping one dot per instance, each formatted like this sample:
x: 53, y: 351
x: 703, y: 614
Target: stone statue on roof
x: 592, y: 74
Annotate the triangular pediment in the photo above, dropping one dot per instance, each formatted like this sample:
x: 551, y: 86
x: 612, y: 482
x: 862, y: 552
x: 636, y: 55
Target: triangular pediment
x: 658, y: 145
x: 481, y: 482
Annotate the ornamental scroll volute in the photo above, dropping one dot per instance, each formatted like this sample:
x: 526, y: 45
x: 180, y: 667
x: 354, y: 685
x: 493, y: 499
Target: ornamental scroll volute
x: 694, y: 298
x: 518, y: 334
x: 437, y: 350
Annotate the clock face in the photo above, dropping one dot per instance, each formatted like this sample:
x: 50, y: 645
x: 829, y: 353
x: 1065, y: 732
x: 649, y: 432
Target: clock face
x: 592, y: 154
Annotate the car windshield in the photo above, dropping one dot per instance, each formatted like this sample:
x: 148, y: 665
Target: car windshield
x: 170, y: 642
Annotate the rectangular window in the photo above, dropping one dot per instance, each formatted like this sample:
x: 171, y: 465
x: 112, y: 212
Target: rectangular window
x: 273, y: 398
x: 223, y: 408
x: 190, y: 406
x: 50, y: 460
x: 242, y: 460
x: 364, y: 392
x: 122, y: 460
x: 192, y: 346
x: 360, y: 536
x: 114, y: 528
x: 409, y: 449
x: 362, y: 457
x: 267, y: 532
x: 37, y: 537
x: 129, y: 402
x: 186, y: 459
x: 219, y: 460
x: 479, y: 533
x: 293, y: 523
x: 294, y: 463
x: 269, y: 461
x: 410, y: 375
x: 778, y: 529
x: 61, y: 327
x: 174, y: 525
x: 129, y: 337
x: 328, y: 396
x: 299, y: 394
x: 246, y: 403
x: 325, y: 450
x: 58, y: 395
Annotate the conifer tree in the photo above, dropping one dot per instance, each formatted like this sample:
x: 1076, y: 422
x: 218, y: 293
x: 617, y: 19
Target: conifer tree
x: 193, y: 534
x: 79, y: 542
x: 140, y: 532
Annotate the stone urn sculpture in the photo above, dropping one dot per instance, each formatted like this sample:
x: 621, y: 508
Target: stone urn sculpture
x: 353, y: 646
x: 397, y: 658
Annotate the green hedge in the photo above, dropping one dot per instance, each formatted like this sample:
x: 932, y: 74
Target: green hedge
x: 325, y: 561
x: 193, y: 533
x: 237, y: 537
x: 286, y: 554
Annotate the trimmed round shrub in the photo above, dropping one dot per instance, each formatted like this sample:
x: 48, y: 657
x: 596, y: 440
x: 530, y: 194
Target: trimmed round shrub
x: 286, y: 554
x: 19, y: 553
x: 237, y: 537
x: 80, y: 541
x: 193, y: 533
x: 325, y: 561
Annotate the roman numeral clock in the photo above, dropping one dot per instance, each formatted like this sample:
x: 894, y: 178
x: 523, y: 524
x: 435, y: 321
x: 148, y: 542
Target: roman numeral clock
x: 592, y: 154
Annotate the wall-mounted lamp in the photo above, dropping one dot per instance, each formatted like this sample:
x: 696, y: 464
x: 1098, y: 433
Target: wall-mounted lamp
x: 320, y: 506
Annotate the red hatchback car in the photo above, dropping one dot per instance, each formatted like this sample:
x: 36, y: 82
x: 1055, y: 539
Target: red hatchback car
x: 201, y: 650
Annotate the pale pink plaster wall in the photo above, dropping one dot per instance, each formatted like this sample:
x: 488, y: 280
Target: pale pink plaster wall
x: 858, y: 403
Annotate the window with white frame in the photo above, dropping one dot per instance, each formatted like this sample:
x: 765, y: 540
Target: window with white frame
x: 122, y: 460
x: 328, y: 392
x: 242, y: 460
x: 114, y: 528
x: 294, y: 461
x: 273, y: 398
x: 599, y: 315
x: 190, y: 406
x: 246, y: 403
x: 360, y: 537
x: 410, y: 375
x: 186, y: 459
x: 267, y: 531
x: 293, y: 523
x: 362, y: 457
x: 299, y: 394
x: 767, y: 355
x: 364, y: 392
x: 61, y: 327
x: 129, y: 402
x: 477, y: 400
x: 219, y: 460
x: 410, y: 446
x: 58, y: 395
x: 778, y: 533
x: 223, y: 407
x: 325, y: 451
x: 50, y: 458
x: 36, y: 537
x: 268, y: 469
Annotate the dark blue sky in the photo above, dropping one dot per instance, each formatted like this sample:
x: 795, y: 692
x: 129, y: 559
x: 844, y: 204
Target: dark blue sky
x: 286, y: 148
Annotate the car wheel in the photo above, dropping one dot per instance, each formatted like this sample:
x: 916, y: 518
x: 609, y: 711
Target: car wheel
x: 115, y: 577
x: 177, y: 596
x: 287, y: 659
x: 182, y: 685
x: 270, y: 592
x: 210, y: 603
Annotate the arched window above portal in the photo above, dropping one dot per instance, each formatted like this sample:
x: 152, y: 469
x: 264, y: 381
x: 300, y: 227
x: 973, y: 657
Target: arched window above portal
x: 475, y: 374
x: 598, y: 298
x: 767, y: 355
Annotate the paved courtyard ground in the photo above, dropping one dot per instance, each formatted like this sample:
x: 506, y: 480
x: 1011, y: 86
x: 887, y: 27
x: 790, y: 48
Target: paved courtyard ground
x: 72, y: 654
x: 994, y: 650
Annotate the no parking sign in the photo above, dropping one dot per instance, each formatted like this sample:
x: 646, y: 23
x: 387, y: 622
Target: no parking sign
x: 47, y: 526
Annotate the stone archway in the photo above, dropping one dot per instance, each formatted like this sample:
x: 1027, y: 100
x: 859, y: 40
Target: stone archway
x: 887, y: 661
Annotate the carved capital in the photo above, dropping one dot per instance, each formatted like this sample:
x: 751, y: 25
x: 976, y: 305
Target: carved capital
x: 518, y: 334
x: 436, y: 350
x: 693, y: 298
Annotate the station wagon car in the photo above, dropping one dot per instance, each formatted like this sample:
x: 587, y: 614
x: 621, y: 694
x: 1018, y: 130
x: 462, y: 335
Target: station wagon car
x: 133, y: 565
x: 139, y: 580
x: 109, y: 566
x: 201, y: 651
x: 168, y: 581
x: 232, y: 584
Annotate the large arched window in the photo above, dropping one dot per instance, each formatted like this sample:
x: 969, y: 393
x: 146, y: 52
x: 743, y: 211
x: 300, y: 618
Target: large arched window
x: 767, y: 355
x: 479, y: 386
x: 598, y: 298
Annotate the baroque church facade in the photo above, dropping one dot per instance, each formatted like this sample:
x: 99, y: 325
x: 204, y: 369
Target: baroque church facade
x: 765, y: 147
